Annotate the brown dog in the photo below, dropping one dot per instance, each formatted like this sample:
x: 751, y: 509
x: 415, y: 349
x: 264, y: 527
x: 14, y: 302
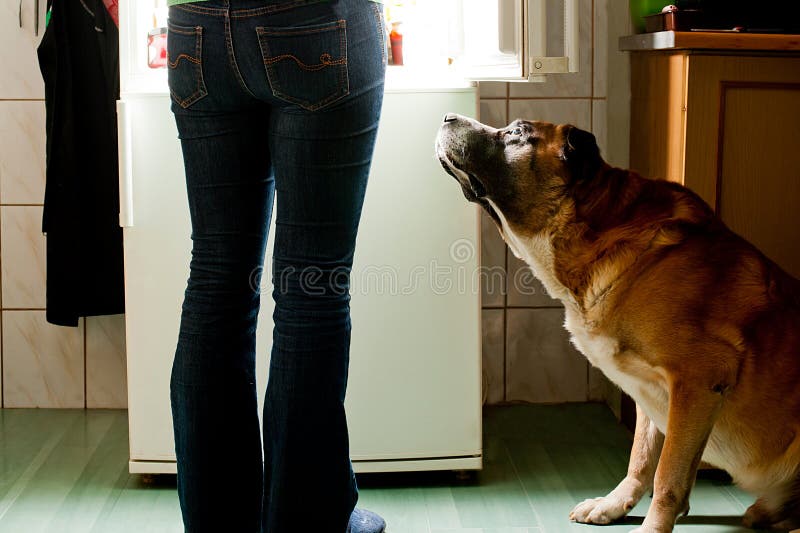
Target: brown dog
x: 689, y: 319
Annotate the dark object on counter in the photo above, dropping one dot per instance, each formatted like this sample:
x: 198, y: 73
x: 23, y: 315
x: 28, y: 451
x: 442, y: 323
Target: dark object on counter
x: 79, y: 60
x: 680, y: 20
x: 765, y: 16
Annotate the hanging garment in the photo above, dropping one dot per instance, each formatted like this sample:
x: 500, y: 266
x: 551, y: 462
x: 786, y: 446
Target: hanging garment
x: 79, y: 60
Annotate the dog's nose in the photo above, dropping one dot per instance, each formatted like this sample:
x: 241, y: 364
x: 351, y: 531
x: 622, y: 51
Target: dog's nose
x: 450, y: 117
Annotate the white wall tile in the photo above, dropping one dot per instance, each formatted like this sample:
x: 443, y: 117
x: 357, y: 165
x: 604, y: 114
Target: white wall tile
x: 492, y: 89
x: 493, y: 113
x: 619, y: 86
x: 603, y: 390
x: 21, y: 77
x: 599, y: 128
x: 106, y: 381
x: 22, y: 152
x: 577, y: 112
x: 524, y: 289
x: 542, y: 366
x: 493, y: 264
x: 600, y: 50
x: 577, y: 84
x: 22, y: 246
x: 599, y: 385
x: 42, y: 363
x: 493, y: 355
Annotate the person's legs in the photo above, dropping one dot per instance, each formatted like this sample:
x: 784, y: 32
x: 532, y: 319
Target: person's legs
x: 319, y: 68
x: 230, y: 190
x: 321, y: 160
x: 213, y: 383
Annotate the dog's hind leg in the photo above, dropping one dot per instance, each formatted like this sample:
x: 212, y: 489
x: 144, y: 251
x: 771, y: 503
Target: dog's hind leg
x: 780, y: 509
x: 647, y: 443
x: 693, y: 409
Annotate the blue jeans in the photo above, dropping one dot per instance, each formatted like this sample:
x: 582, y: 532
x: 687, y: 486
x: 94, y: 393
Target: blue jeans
x: 270, y: 97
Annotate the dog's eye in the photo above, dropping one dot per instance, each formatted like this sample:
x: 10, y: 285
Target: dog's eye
x: 516, y: 131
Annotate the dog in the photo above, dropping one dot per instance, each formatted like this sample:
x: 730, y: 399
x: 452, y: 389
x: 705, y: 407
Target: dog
x: 688, y: 318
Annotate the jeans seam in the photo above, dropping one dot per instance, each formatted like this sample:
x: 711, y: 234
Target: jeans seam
x: 339, y: 24
x: 381, y: 30
x: 244, y: 13
x: 253, y: 12
x: 231, y: 55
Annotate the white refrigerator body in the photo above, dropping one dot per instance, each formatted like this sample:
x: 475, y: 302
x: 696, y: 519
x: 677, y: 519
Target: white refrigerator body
x: 414, y: 393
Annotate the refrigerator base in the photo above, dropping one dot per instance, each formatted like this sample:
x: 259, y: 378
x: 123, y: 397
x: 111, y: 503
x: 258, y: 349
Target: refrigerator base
x: 360, y: 467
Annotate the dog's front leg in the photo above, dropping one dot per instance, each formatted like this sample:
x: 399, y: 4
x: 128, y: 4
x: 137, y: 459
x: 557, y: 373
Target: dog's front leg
x: 647, y: 443
x: 692, y: 412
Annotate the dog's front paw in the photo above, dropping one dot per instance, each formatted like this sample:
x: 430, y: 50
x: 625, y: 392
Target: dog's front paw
x: 601, y: 510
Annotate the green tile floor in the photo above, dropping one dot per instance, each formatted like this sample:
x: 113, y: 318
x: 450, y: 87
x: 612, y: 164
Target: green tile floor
x: 66, y: 471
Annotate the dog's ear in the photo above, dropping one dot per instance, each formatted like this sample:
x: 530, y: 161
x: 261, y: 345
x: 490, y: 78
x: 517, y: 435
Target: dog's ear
x: 581, y: 153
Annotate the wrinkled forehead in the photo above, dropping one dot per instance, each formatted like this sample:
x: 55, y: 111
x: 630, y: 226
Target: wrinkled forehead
x: 540, y: 128
x: 546, y: 133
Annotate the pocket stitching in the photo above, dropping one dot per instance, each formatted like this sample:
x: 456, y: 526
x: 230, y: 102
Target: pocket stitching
x: 201, y: 91
x: 342, y: 88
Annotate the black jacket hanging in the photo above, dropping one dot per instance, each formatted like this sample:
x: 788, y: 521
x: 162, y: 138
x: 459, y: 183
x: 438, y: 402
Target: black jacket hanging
x: 79, y: 60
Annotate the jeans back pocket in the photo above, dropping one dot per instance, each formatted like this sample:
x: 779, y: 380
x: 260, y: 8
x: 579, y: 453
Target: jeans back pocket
x: 185, y: 62
x: 306, y: 65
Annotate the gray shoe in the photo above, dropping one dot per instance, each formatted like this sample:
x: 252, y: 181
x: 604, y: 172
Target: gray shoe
x: 363, y: 521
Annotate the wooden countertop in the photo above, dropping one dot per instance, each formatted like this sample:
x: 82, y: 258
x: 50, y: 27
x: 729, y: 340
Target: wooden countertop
x: 709, y: 40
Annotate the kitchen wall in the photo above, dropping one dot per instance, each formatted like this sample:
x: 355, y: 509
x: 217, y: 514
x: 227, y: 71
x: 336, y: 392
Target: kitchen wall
x: 526, y: 353
x: 527, y: 356
x: 41, y: 365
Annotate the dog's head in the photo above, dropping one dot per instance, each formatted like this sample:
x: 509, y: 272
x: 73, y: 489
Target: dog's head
x: 521, y: 173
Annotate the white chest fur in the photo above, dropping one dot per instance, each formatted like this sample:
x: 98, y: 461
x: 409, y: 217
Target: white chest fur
x: 644, y: 383
x: 537, y: 252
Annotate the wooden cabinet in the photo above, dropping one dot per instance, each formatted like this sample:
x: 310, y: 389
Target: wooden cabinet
x: 722, y: 117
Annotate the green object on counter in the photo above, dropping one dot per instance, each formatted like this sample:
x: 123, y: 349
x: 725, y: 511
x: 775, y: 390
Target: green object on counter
x: 641, y: 8
x: 47, y: 16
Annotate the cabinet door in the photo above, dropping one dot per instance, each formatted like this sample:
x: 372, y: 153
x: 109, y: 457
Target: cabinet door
x: 743, y: 122
x: 19, y: 37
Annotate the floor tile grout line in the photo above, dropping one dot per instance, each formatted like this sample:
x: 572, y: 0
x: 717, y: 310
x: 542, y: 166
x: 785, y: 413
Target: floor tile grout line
x: 19, y: 486
x: 733, y: 497
x: 90, y: 455
x: 522, y: 486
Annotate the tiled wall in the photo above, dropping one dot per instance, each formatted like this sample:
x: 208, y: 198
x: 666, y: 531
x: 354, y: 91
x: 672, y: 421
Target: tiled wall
x: 42, y: 365
x: 527, y: 355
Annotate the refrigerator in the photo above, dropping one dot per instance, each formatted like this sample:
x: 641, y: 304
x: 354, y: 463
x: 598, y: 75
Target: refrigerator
x: 414, y: 391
